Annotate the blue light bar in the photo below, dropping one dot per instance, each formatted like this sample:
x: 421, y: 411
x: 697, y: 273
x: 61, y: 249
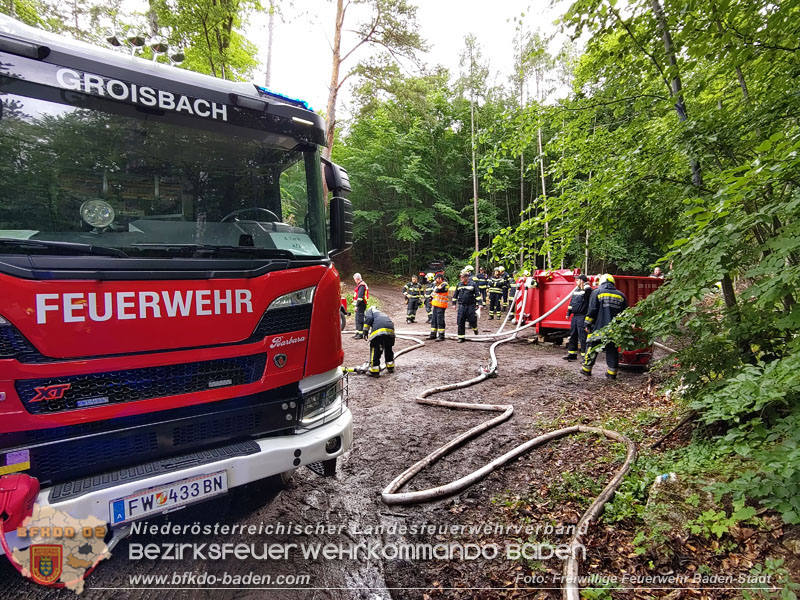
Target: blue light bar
x: 295, y: 101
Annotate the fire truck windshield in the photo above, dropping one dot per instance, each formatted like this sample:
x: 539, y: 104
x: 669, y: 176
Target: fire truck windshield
x: 77, y: 171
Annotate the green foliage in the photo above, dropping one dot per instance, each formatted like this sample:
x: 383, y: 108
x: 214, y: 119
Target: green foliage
x: 771, y: 580
x: 209, y: 30
x: 718, y: 522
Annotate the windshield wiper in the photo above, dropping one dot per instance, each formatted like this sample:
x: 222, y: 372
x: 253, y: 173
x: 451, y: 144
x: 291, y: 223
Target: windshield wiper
x: 214, y: 250
x: 64, y: 247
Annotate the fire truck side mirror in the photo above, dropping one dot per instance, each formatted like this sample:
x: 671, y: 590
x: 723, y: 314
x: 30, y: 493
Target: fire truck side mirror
x: 341, y: 211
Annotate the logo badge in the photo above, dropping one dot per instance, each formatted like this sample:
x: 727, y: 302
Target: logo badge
x: 279, y: 360
x: 46, y: 563
x: 50, y: 392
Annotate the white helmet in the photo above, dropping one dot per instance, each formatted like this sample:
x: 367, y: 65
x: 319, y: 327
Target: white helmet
x: 606, y: 279
x: 429, y: 276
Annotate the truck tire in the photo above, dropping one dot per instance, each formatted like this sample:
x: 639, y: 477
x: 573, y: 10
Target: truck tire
x: 281, y: 480
x: 343, y: 319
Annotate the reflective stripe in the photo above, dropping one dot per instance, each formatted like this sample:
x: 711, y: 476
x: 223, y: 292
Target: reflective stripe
x: 440, y: 330
x: 390, y: 365
x: 381, y: 331
x: 374, y: 369
x: 610, y: 372
x: 588, y: 319
x: 609, y: 295
x: 585, y: 370
x: 572, y: 352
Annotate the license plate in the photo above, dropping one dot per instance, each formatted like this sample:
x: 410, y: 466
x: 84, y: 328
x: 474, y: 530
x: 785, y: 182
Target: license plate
x: 158, y: 499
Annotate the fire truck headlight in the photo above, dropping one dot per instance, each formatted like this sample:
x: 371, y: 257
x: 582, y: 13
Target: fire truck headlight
x: 322, y: 406
x: 97, y: 213
x: 298, y: 298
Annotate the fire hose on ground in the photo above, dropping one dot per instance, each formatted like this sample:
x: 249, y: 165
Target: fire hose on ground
x: 391, y: 495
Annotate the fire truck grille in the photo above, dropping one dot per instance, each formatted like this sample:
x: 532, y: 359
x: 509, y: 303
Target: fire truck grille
x: 283, y: 320
x: 14, y: 345
x: 57, y: 394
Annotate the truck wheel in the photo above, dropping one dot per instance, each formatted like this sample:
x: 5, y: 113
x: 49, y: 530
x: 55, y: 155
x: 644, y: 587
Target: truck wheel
x: 343, y: 319
x: 281, y: 480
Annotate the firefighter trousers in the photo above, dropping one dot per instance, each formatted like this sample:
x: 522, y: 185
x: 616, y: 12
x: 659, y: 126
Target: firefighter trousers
x: 437, y: 322
x: 466, y: 314
x: 428, y: 308
x: 494, y: 304
x: 380, y: 345
x: 595, y: 346
x: 411, y: 309
x: 361, y: 308
x: 577, y: 333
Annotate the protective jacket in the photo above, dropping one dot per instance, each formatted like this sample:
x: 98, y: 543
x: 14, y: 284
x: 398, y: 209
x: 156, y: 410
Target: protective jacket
x: 361, y: 295
x: 579, y: 304
x: 439, y: 298
x: 377, y: 324
x: 605, y: 303
x: 496, y: 285
x: 482, y: 281
x: 467, y: 293
x: 412, y: 290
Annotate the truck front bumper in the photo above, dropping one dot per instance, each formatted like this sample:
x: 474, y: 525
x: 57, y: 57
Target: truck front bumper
x: 275, y: 455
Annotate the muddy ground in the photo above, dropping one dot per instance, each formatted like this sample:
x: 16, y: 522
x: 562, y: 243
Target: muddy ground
x: 391, y: 433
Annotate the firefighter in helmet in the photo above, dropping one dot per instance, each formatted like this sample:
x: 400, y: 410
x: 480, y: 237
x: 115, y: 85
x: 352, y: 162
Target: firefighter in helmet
x: 605, y: 303
x: 496, y: 286
x: 412, y: 291
x: 468, y: 297
x: 379, y: 331
x: 482, y: 281
x: 427, y: 295
x: 439, y: 303
x: 576, y: 312
x: 506, y: 285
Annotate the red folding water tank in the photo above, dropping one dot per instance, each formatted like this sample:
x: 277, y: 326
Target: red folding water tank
x: 545, y: 289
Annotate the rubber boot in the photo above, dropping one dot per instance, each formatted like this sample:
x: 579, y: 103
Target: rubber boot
x: 432, y: 336
x: 440, y: 338
x: 358, y: 336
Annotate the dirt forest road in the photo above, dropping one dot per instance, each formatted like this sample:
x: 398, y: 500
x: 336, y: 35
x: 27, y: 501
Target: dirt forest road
x: 391, y: 432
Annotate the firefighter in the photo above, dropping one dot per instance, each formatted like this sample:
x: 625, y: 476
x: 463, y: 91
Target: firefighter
x: 427, y: 294
x: 360, y: 297
x: 576, y: 311
x: 379, y: 331
x: 482, y: 281
x: 412, y: 292
x: 439, y: 303
x: 506, y: 277
x: 496, y: 286
x: 605, y: 303
x: 468, y: 297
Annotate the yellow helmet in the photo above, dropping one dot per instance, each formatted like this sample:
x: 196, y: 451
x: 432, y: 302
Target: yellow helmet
x: 429, y: 276
x: 606, y: 278
x: 501, y: 269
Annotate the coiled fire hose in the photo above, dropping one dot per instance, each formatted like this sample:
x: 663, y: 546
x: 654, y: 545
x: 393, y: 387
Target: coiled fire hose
x: 391, y: 495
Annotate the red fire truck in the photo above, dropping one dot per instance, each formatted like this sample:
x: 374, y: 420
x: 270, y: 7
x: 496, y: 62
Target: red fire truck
x: 169, y: 311
x: 536, y: 295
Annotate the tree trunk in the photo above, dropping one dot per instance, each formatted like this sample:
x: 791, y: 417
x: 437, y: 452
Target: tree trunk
x: 474, y: 180
x: 544, y: 195
x: 330, y: 111
x: 270, y: 31
x: 676, y: 87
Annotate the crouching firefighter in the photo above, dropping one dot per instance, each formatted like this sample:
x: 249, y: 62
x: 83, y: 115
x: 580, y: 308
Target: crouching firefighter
x: 379, y: 331
x: 468, y: 297
x: 439, y: 303
x: 578, y: 306
x: 605, y: 303
x: 412, y: 292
